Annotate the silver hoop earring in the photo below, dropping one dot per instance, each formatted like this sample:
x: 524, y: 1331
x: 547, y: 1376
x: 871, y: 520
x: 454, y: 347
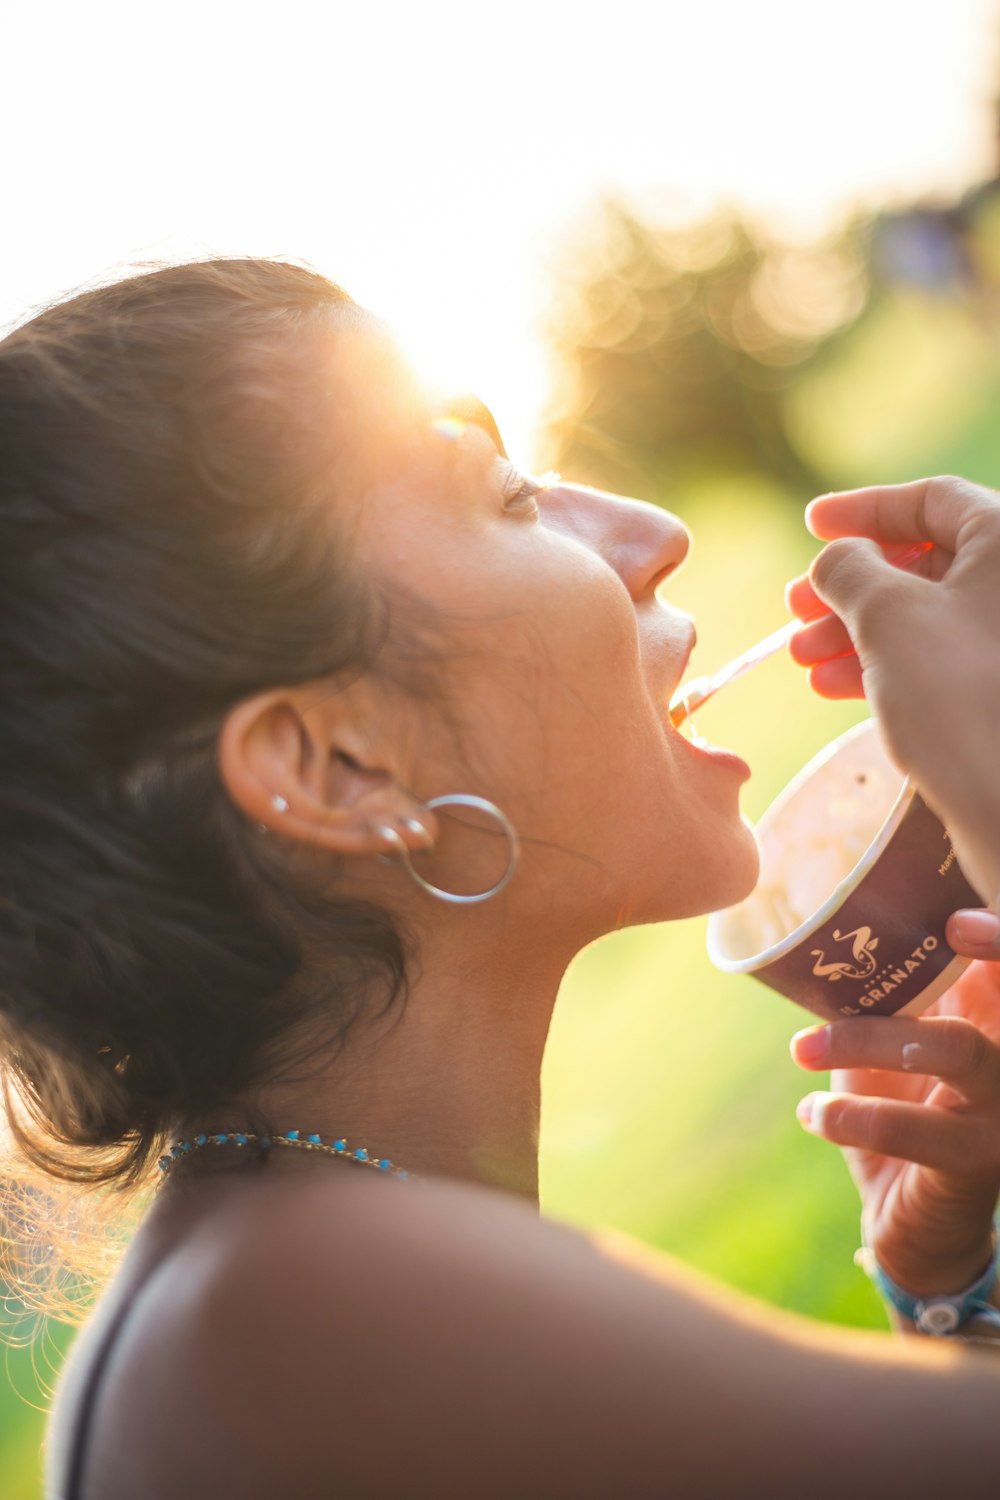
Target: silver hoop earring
x: 460, y: 799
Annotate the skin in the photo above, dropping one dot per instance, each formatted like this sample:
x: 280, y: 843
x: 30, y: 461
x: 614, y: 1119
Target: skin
x: 556, y: 643
x: 916, y: 1103
x: 313, y: 1328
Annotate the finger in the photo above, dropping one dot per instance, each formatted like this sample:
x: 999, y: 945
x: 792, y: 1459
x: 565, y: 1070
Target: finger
x: 802, y: 600
x: 928, y: 561
x: 911, y: 1132
x: 974, y: 934
x: 820, y: 641
x: 931, y: 509
x: 944, y: 1096
x: 909, y: 1087
x: 840, y: 678
x: 944, y: 1047
x: 887, y: 512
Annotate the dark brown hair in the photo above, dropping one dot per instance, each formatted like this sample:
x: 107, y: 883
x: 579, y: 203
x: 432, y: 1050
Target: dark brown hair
x: 172, y: 451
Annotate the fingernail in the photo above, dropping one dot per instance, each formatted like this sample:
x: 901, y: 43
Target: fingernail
x: 977, y: 927
x: 912, y: 1055
x: 808, y: 514
x: 811, y: 1046
x: 810, y: 1112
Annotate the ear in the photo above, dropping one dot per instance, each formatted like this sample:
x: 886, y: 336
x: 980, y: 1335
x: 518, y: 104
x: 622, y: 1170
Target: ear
x: 302, y: 766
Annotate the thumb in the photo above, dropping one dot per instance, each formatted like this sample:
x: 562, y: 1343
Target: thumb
x: 851, y: 575
x: 974, y: 934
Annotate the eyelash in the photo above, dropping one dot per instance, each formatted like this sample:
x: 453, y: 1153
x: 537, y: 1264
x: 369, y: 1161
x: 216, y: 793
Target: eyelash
x: 523, y: 497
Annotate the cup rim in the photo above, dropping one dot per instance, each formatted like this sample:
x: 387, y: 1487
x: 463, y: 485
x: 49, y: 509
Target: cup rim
x: 841, y: 891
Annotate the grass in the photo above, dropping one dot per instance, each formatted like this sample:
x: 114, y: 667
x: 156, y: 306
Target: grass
x: 26, y: 1380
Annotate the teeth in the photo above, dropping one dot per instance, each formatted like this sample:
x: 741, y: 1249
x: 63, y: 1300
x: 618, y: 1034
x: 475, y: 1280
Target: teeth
x: 696, y: 738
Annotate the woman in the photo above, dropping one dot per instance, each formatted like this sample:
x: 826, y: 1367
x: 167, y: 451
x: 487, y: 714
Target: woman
x: 268, y: 625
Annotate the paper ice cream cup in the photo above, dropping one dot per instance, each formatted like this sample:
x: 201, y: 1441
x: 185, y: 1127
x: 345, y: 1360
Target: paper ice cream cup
x: 858, y: 878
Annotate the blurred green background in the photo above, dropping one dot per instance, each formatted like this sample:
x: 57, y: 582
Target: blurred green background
x: 729, y: 376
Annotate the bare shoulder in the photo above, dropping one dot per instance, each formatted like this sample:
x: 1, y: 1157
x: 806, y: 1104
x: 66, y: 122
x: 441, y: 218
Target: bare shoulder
x: 361, y: 1332
x: 383, y: 1338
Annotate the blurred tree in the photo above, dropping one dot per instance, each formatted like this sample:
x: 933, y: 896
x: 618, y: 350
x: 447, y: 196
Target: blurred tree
x: 675, y: 349
x: 911, y: 385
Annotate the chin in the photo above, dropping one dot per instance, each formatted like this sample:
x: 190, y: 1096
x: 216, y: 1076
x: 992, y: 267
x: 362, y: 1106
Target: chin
x: 741, y: 871
x: 719, y: 875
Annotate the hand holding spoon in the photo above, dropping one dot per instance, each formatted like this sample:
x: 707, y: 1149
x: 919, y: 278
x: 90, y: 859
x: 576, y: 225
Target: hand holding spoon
x: 693, y: 694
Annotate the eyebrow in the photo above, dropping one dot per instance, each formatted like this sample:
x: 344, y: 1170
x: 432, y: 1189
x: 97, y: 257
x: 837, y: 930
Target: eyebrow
x: 468, y: 408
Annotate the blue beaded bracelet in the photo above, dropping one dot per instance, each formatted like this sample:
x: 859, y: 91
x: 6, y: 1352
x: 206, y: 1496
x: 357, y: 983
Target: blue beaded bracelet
x: 939, y: 1317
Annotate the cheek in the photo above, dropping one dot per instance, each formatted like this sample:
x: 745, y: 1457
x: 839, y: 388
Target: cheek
x: 550, y: 716
x: 673, y: 833
x: 550, y: 678
x: 573, y: 707
x: 618, y: 822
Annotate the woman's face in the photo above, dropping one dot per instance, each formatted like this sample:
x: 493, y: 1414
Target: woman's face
x: 556, y: 662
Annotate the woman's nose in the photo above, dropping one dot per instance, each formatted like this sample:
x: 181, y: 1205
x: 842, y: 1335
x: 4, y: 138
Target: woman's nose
x: 643, y: 543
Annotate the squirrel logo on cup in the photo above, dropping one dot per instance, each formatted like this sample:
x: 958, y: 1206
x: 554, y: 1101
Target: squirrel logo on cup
x: 863, y: 951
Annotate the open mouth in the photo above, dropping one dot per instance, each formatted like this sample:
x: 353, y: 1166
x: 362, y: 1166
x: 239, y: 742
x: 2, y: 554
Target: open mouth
x: 682, y: 705
x: 677, y: 689
x: 681, y: 700
x: 681, y: 714
x: 684, y: 697
x: 685, y: 700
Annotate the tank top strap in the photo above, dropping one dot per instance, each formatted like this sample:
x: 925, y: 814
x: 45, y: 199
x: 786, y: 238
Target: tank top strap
x: 72, y: 1486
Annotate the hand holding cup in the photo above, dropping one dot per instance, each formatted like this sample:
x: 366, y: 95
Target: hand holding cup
x: 915, y: 1103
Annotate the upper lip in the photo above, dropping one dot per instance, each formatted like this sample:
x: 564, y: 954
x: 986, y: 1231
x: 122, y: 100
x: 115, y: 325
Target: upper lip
x: 692, y: 641
x: 680, y: 660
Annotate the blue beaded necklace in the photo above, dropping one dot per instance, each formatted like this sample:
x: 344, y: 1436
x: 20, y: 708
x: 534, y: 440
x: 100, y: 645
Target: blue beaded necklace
x: 294, y: 1138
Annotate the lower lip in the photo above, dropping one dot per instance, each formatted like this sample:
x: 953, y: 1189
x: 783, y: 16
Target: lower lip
x: 728, y: 759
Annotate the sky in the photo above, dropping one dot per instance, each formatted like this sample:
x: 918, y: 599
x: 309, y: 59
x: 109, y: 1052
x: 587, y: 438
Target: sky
x: 438, y: 159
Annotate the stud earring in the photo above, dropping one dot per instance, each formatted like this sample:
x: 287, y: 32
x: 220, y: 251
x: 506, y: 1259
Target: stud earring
x: 279, y: 803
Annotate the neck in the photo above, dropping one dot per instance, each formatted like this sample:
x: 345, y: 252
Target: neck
x: 449, y: 1084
